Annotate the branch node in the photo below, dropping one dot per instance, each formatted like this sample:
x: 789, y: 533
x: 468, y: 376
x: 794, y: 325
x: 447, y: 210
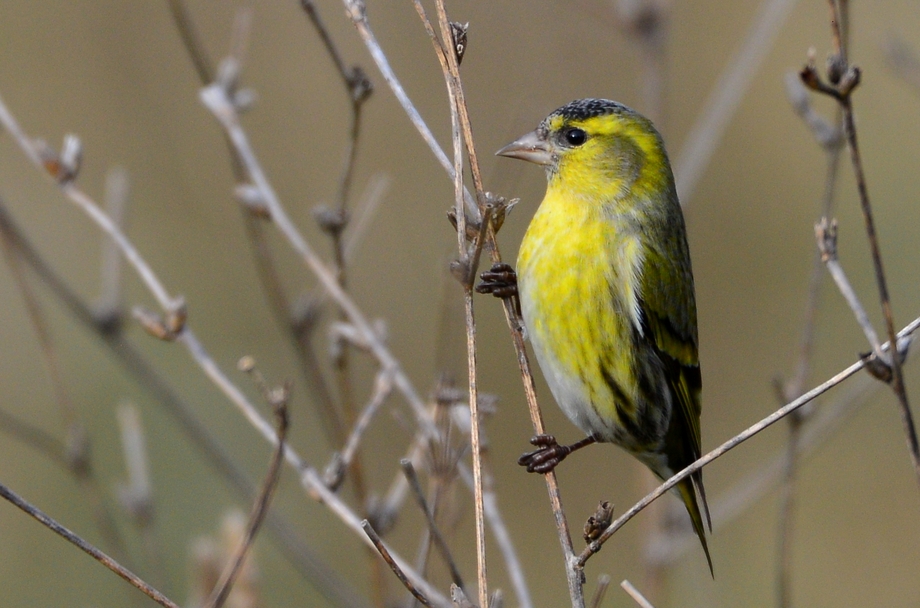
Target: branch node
x: 360, y: 86
x: 177, y: 316
x: 251, y: 198
x: 152, y: 323
x: 331, y: 221
x: 63, y: 166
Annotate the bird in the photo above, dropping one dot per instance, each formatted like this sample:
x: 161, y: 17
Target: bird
x: 605, y: 288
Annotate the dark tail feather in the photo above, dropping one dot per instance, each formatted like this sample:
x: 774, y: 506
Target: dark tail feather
x: 688, y: 495
x: 698, y: 484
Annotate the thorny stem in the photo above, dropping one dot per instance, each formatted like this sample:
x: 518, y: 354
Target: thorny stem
x: 86, y: 547
x: 738, y: 439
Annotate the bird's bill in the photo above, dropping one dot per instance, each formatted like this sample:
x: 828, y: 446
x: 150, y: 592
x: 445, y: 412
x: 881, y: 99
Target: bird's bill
x: 530, y: 147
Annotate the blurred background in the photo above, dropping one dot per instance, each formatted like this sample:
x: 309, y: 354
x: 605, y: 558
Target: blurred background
x: 117, y: 74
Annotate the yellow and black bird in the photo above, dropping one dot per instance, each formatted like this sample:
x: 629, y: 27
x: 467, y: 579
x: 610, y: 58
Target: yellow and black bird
x: 606, y: 292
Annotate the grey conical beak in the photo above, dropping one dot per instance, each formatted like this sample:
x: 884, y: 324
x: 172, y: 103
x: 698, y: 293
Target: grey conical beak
x: 530, y: 147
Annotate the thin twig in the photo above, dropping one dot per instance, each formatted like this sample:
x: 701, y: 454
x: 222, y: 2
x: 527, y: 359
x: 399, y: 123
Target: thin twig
x: 137, y: 493
x: 385, y: 554
x: 260, y: 508
x: 383, y: 387
x: 635, y: 594
x: 726, y: 95
x: 437, y: 537
x: 458, y: 108
x: 108, y: 304
x: 191, y: 40
x: 826, y: 235
x: 603, y: 583
x: 88, y: 548
x: 738, y: 439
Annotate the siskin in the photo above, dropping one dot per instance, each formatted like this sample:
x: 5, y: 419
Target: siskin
x: 606, y: 292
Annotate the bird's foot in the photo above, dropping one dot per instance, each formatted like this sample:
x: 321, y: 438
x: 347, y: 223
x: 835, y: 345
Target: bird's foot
x: 547, y: 455
x: 500, y: 281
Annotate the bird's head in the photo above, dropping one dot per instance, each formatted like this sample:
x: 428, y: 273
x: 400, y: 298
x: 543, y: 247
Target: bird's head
x: 596, y: 148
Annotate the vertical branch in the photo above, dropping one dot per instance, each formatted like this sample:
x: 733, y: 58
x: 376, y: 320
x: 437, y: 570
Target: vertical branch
x: 449, y: 65
x: 458, y: 107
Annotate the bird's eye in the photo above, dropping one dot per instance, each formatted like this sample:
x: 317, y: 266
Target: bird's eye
x: 575, y: 136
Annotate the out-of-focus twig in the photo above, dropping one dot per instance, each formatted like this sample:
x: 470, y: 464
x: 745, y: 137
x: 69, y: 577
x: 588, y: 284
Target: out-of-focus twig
x: 278, y: 400
x: 436, y: 535
x: 902, y: 58
x: 635, y: 594
x: 726, y: 95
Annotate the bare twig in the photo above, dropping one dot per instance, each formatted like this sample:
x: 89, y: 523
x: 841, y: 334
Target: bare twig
x: 433, y: 530
x: 191, y: 40
x: 594, y: 547
x: 635, y: 594
x: 458, y: 109
x: 137, y: 493
x: 385, y: 554
x: 341, y: 461
x: 830, y: 138
x: 86, y: 547
x: 826, y: 235
x: 603, y: 583
x: 108, y: 305
x: 260, y: 508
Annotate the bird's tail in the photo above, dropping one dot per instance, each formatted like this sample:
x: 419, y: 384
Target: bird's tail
x: 687, y: 490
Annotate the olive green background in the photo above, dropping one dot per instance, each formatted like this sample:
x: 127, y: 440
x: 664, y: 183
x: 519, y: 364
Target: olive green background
x: 116, y: 74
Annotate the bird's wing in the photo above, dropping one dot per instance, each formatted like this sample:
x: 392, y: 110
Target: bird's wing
x: 669, y: 320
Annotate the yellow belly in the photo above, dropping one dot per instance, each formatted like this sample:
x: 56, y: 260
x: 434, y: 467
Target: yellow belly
x: 578, y: 273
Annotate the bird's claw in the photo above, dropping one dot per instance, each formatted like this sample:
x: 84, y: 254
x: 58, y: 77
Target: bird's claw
x: 547, y: 455
x: 500, y: 281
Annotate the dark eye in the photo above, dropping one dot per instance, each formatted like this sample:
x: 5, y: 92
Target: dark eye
x: 575, y: 137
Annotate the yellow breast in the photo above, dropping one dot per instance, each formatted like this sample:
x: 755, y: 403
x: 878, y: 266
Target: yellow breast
x: 578, y: 272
